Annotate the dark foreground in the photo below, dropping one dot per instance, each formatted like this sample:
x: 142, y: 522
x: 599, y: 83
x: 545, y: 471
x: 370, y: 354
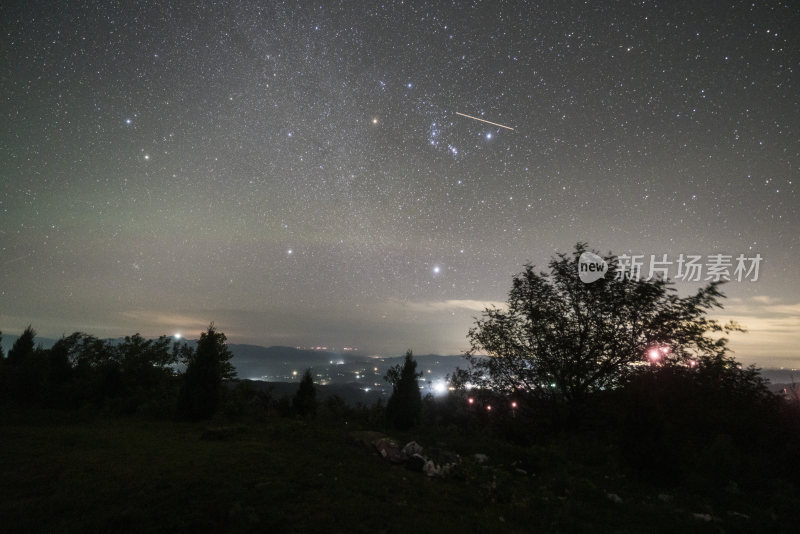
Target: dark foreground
x: 67, y: 472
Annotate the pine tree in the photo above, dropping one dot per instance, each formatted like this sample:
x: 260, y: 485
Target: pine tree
x: 206, y: 368
x: 405, y: 404
x: 23, y: 347
x: 305, y: 401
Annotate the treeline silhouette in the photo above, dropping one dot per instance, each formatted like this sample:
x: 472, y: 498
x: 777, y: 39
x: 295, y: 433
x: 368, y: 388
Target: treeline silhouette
x: 135, y: 375
x: 718, y: 424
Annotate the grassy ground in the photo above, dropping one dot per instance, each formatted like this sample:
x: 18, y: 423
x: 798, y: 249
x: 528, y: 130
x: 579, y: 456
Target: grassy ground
x: 67, y: 472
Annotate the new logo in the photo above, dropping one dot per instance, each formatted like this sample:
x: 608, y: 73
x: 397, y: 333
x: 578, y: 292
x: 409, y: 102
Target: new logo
x: 591, y: 267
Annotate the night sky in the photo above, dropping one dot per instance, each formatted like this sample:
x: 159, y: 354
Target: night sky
x: 297, y: 172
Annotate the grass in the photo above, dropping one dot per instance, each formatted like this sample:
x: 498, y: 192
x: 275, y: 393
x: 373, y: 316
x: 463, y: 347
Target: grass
x: 73, y: 472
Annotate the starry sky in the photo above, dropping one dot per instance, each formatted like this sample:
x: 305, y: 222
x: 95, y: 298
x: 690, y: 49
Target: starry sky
x: 298, y: 173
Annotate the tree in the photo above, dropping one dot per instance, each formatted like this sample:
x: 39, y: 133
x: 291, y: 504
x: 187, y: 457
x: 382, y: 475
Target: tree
x: 405, y: 404
x: 145, y: 363
x: 305, y: 401
x: 207, y: 366
x: 23, y: 347
x: 561, y: 335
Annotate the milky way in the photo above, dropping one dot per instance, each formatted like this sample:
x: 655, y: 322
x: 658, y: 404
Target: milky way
x: 297, y: 172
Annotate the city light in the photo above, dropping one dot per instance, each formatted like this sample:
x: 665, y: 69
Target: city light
x: 657, y: 353
x: 471, y: 400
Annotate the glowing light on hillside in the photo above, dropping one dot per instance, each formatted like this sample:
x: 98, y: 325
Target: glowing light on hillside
x: 655, y: 354
x: 471, y: 400
x: 440, y: 387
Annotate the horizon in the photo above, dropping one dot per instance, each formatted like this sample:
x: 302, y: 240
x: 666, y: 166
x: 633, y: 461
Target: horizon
x: 356, y: 352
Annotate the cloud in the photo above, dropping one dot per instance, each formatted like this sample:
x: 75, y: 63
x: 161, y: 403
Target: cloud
x: 784, y: 309
x: 764, y: 299
x: 151, y: 322
x: 452, y: 305
x: 773, y: 330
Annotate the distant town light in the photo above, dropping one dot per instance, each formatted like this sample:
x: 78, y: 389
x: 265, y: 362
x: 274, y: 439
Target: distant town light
x: 471, y: 400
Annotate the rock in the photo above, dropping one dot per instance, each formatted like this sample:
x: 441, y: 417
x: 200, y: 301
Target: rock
x: 411, y: 448
x: 442, y: 456
x: 389, y: 449
x: 445, y: 469
x: 613, y: 497
x: 416, y: 463
x: 431, y: 469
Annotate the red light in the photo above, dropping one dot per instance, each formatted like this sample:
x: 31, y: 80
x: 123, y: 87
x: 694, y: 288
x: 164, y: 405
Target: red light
x: 471, y: 400
x: 488, y: 408
x: 514, y: 404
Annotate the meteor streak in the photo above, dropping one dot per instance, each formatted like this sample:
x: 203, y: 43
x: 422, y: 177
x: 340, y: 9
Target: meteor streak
x: 483, y: 120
